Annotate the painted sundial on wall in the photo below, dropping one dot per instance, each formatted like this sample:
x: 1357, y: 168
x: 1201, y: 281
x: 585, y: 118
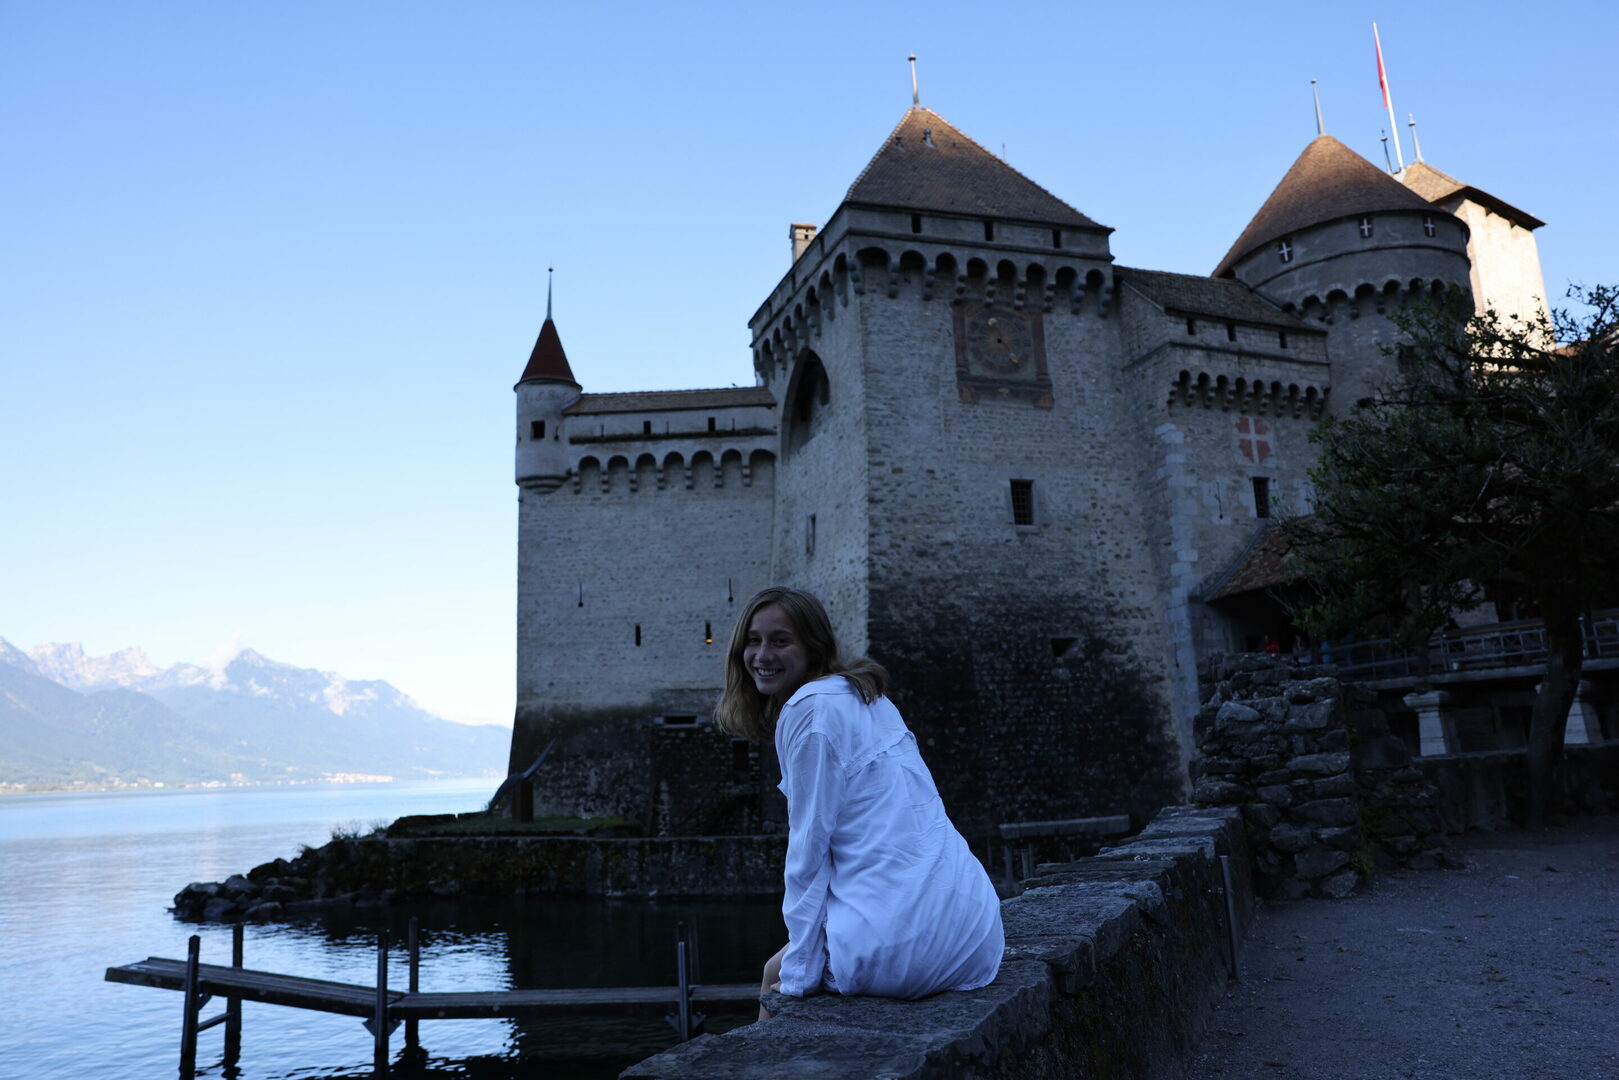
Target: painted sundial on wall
x: 1000, y: 354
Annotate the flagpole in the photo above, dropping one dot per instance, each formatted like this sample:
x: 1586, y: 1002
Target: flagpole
x: 1383, y: 83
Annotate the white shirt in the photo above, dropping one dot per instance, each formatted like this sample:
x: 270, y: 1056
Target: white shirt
x: 882, y: 891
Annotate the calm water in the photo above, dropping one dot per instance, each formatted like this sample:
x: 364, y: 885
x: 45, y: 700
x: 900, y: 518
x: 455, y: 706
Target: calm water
x: 86, y: 881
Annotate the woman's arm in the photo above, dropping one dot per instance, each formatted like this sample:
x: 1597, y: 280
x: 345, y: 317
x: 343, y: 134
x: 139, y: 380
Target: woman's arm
x: 814, y: 782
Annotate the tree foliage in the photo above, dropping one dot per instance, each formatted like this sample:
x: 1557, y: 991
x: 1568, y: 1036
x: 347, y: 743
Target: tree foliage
x: 1490, y: 460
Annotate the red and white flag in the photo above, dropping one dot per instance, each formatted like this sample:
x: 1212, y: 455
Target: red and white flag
x: 1382, y: 78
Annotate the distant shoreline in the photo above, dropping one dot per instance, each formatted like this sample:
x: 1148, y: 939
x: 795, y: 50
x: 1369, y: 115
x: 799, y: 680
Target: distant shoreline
x: 88, y: 787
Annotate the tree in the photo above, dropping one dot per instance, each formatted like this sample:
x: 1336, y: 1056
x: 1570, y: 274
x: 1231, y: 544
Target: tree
x: 1490, y: 460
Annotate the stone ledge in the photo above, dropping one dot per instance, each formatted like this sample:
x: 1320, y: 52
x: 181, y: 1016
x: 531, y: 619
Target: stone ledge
x: 1139, y: 932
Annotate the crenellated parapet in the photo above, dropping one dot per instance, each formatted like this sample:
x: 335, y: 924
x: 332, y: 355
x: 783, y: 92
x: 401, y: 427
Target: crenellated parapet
x: 675, y: 471
x: 1338, y: 301
x: 1254, y: 397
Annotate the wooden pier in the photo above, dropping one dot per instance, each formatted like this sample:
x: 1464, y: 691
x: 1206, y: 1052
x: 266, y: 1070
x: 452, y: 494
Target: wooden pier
x: 383, y: 1009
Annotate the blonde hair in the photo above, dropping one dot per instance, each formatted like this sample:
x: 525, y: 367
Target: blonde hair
x: 743, y: 711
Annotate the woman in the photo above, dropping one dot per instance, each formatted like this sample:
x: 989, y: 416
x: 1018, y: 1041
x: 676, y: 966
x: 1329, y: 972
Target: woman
x: 882, y: 894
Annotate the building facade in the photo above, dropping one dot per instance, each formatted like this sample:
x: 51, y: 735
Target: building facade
x: 1029, y: 481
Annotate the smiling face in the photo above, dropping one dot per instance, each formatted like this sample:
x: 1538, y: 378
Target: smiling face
x: 774, y: 654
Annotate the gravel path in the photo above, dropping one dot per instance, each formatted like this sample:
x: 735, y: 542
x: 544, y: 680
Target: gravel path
x: 1505, y: 970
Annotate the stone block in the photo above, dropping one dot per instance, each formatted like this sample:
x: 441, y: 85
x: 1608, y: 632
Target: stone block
x: 1070, y: 932
x: 1337, y: 740
x: 1272, y: 710
x: 1287, y: 837
x: 1220, y: 766
x: 1327, y: 812
x: 782, y: 1048
x: 1315, y: 716
x: 1319, y: 862
x: 1261, y: 815
x: 1344, y: 837
x: 1276, y: 794
x: 1312, y: 690
x: 1164, y: 848
x: 1211, y: 792
x: 1234, y: 713
x: 1333, y: 787
x: 1320, y: 764
x: 1274, y: 776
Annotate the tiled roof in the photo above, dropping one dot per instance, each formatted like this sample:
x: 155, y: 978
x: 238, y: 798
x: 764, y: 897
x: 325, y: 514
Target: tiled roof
x: 1260, y: 565
x: 548, y: 362
x: 1222, y: 298
x: 1436, y: 187
x: 671, y: 400
x: 927, y: 164
x: 1328, y: 181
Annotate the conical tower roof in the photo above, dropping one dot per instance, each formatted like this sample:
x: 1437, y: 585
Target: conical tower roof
x: 1437, y: 186
x: 928, y: 164
x: 548, y: 363
x: 1327, y: 182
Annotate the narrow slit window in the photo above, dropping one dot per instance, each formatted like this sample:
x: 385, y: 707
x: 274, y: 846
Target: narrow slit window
x: 646, y: 427
x: 1191, y: 326
x: 1281, y: 338
x: 1023, y: 502
x: 916, y: 223
x: 637, y: 634
x: 809, y: 535
x: 1365, y: 228
x: 989, y: 230
x: 1231, y: 331
x: 708, y: 633
x: 1056, y: 238
x: 1261, y: 496
x: 536, y: 429
x: 712, y: 426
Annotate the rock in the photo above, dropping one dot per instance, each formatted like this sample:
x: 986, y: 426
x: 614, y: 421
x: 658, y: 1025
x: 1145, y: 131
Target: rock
x: 238, y: 885
x: 1313, y: 690
x: 1234, y: 713
x: 1319, y: 862
x: 219, y: 909
x: 1276, y: 795
x: 1219, y: 793
x: 196, y: 894
x: 1313, y: 717
x: 263, y: 912
x: 1336, y: 740
x: 1291, y: 837
x: 1452, y: 861
x: 1274, y: 776
x: 1333, y: 787
x: 1287, y: 888
x: 1408, y: 775
x: 1320, y: 764
x: 1344, y: 838
x: 1340, y: 885
x: 1401, y: 846
x: 1220, y: 766
x: 279, y: 892
x: 1328, y: 812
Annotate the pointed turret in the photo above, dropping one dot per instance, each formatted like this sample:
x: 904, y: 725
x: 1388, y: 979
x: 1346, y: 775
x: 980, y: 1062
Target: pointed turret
x: 546, y: 388
x: 927, y: 164
x: 1328, y: 182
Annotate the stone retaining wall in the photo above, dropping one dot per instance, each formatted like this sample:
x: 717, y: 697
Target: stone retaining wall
x: 1113, y: 963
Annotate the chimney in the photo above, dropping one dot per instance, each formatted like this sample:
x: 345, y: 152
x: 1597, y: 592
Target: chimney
x: 802, y: 235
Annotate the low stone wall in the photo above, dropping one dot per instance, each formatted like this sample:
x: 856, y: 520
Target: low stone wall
x: 1113, y: 963
x: 1490, y: 789
x: 379, y: 869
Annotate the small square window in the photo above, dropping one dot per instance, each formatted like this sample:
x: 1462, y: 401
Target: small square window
x: 1365, y: 228
x: 1429, y: 228
x: 1261, y: 496
x: 1023, y: 502
x: 1284, y: 250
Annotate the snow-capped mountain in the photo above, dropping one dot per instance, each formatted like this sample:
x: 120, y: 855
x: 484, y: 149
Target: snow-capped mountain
x: 249, y: 717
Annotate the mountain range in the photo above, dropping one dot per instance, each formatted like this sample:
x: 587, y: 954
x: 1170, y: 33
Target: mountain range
x: 71, y: 720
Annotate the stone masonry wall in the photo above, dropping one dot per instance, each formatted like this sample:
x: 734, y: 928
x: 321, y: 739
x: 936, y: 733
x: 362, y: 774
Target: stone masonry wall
x: 1277, y: 742
x: 1113, y: 965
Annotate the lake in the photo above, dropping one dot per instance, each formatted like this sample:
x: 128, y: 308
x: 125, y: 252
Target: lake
x: 86, y: 880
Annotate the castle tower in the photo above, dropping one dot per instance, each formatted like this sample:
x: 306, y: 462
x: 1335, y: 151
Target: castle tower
x: 957, y: 479
x: 1340, y: 243
x: 546, y: 387
x: 1501, y: 242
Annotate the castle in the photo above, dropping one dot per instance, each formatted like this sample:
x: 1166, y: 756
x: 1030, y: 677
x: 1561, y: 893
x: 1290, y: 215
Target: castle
x: 1031, y: 482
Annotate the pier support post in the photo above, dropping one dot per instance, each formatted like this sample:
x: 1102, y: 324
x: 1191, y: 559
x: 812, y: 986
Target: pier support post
x: 379, y: 1020
x: 192, y: 1006
x: 233, y: 1006
x: 413, y: 943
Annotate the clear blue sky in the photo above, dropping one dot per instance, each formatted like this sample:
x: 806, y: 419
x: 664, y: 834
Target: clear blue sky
x: 269, y: 270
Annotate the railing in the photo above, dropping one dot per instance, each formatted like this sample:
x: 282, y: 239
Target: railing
x: 1478, y: 648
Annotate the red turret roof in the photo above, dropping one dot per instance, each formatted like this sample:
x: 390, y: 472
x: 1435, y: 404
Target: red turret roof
x: 548, y: 363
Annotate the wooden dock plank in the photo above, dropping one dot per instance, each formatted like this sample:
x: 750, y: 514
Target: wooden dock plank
x: 352, y: 1000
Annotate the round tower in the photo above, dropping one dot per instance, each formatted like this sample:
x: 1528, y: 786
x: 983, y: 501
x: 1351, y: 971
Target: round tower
x: 1342, y: 243
x: 546, y: 388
